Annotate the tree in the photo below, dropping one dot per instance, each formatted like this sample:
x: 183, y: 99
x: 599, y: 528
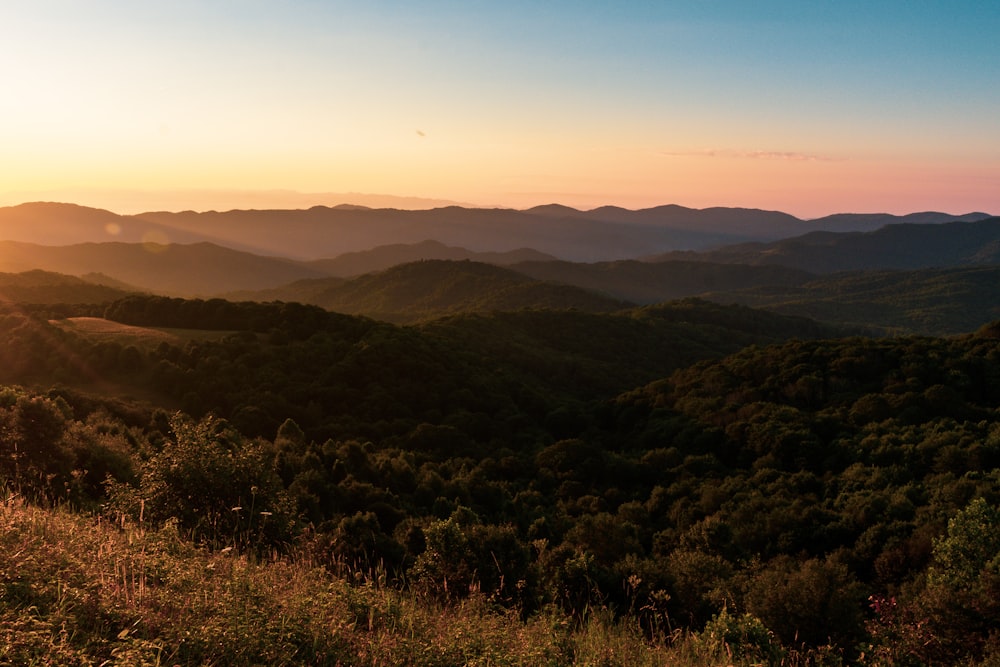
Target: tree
x: 970, y: 550
x: 33, y: 451
x: 214, y: 482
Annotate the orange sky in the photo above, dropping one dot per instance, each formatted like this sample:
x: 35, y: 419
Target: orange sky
x: 776, y: 105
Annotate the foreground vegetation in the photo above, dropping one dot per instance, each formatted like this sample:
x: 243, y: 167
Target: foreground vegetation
x: 79, y: 591
x: 521, y: 488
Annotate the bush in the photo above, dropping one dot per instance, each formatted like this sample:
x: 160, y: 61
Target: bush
x: 214, y: 483
x: 743, y: 638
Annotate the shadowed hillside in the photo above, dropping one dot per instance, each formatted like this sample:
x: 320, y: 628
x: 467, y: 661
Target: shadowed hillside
x: 651, y: 282
x: 928, y: 301
x: 432, y: 288
x: 907, y: 246
x: 196, y: 269
x: 381, y: 258
x: 798, y: 502
x: 44, y: 287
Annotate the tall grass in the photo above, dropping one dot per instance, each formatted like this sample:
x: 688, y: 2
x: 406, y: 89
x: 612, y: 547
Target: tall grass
x: 76, y: 590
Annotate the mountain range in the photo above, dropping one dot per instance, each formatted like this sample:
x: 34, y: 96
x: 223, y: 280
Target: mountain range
x: 928, y: 273
x: 601, y: 234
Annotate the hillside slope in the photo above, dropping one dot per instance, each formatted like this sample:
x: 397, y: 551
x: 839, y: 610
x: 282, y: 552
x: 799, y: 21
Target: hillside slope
x: 45, y: 287
x: 925, y: 301
x: 189, y: 270
x: 652, y: 282
x: 905, y: 246
x: 432, y: 288
x: 383, y: 257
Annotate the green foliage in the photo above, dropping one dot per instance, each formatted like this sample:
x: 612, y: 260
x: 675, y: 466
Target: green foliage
x: 462, y: 556
x: 971, y: 548
x: 744, y: 639
x: 34, y: 455
x: 57, y: 290
x: 817, y: 602
x: 433, y: 288
x: 493, y: 460
x: 76, y: 592
x: 928, y: 301
x: 953, y: 614
x: 214, y: 483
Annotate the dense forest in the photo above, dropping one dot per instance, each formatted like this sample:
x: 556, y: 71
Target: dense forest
x: 686, y: 470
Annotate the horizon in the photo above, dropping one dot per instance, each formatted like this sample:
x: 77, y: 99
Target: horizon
x: 777, y: 106
x: 424, y: 204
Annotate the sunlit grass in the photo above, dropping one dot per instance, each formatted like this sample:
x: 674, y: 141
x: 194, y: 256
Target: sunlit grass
x: 83, y: 591
x: 100, y: 329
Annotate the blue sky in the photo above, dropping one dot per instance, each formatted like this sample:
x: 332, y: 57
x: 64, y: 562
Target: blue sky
x: 809, y: 107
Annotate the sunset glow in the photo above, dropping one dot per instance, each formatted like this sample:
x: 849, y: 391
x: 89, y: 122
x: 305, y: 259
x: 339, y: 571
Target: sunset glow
x: 851, y: 106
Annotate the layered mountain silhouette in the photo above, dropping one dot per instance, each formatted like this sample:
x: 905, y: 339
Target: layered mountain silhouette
x: 601, y: 234
x: 926, y: 272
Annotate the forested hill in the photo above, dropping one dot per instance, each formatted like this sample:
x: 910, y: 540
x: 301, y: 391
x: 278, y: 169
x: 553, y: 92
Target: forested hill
x: 831, y: 499
x: 177, y: 269
x: 926, y: 301
x: 898, y: 246
x: 328, y: 370
x: 433, y: 288
x: 358, y: 263
x: 653, y: 282
x: 44, y: 287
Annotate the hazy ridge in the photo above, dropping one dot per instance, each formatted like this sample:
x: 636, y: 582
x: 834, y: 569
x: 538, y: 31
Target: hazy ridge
x: 404, y: 282
x: 606, y: 233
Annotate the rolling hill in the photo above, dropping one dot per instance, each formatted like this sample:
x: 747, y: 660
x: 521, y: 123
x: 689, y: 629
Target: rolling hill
x: 45, y: 287
x: 190, y: 270
x: 925, y: 301
x: 433, y: 288
x: 52, y: 223
x: 383, y: 257
x: 901, y: 246
x: 648, y: 282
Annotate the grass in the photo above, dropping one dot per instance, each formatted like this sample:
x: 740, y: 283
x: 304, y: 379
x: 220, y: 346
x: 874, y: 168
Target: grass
x: 100, y: 329
x: 76, y: 590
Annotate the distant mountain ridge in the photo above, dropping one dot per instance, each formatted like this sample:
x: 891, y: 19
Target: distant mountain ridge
x: 897, y: 246
x: 601, y: 234
x: 198, y: 269
x: 383, y: 257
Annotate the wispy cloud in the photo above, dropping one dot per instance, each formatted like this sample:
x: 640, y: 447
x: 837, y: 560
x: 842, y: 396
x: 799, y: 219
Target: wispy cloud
x: 790, y: 156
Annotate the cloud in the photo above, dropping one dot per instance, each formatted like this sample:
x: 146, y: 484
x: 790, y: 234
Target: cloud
x: 790, y: 156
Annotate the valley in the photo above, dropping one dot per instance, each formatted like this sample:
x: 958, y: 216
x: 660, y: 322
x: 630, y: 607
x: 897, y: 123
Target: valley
x: 801, y: 456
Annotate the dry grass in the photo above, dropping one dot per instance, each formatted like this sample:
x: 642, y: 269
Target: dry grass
x: 82, y: 591
x: 100, y: 329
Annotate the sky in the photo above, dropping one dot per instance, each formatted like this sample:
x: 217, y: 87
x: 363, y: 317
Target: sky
x: 809, y: 107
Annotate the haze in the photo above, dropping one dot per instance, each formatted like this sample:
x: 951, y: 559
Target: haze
x: 809, y: 108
